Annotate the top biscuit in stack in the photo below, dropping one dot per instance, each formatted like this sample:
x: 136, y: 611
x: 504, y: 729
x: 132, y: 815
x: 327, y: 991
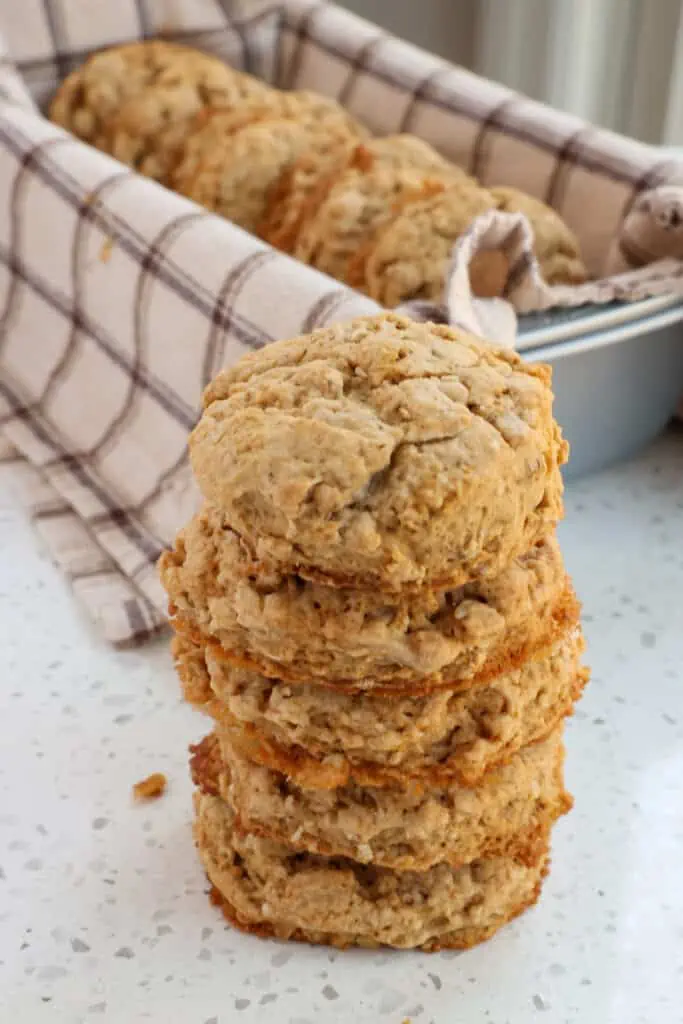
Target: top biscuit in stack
x: 382, y: 453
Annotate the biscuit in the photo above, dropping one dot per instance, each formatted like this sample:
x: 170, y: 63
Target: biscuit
x: 212, y: 126
x: 383, y: 452
x: 402, y: 828
x: 271, y: 890
x: 294, y: 629
x: 135, y: 100
x: 348, y: 207
x: 408, y: 258
x: 323, y: 737
x: 231, y: 174
x: 294, y: 193
x: 555, y: 244
x: 150, y: 130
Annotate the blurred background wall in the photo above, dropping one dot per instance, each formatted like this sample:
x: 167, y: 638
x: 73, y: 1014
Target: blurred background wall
x: 616, y: 62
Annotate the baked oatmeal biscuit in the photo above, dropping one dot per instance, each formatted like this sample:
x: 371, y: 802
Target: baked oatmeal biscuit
x: 409, y: 828
x: 231, y: 174
x: 347, y: 206
x: 383, y: 452
x: 408, y: 258
x: 322, y: 737
x: 213, y: 126
x: 295, y: 629
x: 136, y: 100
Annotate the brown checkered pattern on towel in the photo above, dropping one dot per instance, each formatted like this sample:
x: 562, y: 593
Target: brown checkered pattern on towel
x: 118, y: 303
x: 119, y: 300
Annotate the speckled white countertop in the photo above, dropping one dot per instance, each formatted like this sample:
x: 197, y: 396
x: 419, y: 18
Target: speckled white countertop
x: 103, y: 916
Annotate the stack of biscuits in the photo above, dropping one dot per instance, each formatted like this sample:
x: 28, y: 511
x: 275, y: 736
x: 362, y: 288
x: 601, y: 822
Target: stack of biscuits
x: 372, y: 607
x: 294, y: 168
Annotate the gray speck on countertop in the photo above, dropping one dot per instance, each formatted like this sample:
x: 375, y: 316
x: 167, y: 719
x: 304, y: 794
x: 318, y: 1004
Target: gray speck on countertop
x: 269, y: 997
x: 51, y: 972
x: 390, y: 1001
x: 100, y: 823
x: 435, y: 980
x: 648, y: 639
x: 204, y: 954
x: 242, y: 1004
x: 330, y: 992
x: 540, y: 1003
x: 281, y: 958
x: 79, y: 946
x: 161, y: 915
x: 97, y: 1008
x: 125, y: 952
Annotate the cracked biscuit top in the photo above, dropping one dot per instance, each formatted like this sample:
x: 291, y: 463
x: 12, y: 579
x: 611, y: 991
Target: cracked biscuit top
x: 383, y: 452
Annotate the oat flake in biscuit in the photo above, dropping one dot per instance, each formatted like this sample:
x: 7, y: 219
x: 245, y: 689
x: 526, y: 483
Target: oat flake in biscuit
x: 271, y: 890
x: 322, y: 737
x: 382, y: 452
x: 295, y: 629
x: 127, y: 98
x: 233, y: 175
x: 347, y: 207
x: 405, y: 828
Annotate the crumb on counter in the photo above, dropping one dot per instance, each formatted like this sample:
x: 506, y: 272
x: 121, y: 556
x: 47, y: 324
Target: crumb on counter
x: 150, y: 788
x: 106, y: 250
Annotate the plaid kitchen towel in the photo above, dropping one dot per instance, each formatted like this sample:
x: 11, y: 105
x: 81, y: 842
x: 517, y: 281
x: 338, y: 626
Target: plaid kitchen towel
x: 119, y: 301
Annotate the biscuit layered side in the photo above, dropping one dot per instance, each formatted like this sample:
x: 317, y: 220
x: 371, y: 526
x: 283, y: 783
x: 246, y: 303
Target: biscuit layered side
x: 290, y: 628
x: 403, y: 827
x: 373, y: 611
x: 318, y: 734
x: 270, y: 889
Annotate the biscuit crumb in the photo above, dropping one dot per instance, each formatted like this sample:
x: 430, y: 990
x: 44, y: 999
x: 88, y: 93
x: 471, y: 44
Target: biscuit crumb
x: 150, y: 788
x: 106, y: 250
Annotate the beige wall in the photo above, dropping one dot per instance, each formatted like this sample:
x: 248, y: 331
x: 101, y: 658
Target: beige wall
x: 618, y: 63
x: 445, y: 27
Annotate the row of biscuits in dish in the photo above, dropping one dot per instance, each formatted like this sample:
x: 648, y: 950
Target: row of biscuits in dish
x: 380, y: 214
